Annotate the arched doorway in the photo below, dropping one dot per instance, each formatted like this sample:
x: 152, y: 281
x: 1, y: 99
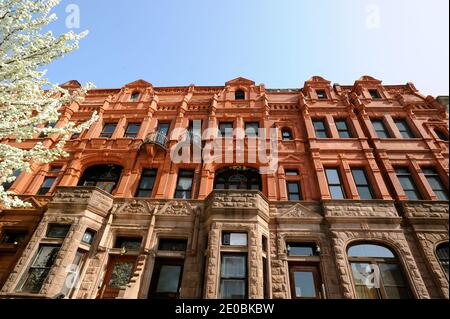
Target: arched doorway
x: 105, y: 177
x: 238, y: 177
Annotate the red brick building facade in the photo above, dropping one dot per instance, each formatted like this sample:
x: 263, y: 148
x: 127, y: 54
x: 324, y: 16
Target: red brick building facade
x: 359, y: 197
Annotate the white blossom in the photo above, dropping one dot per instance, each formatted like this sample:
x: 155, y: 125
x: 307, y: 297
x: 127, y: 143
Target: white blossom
x: 28, y: 100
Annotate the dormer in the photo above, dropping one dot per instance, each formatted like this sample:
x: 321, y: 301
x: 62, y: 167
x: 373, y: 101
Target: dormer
x: 71, y: 85
x: 240, y: 89
x: 367, y: 87
x: 318, y: 89
x: 135, y: 91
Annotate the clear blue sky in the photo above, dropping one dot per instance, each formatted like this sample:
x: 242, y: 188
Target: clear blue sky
x: 280, y: 43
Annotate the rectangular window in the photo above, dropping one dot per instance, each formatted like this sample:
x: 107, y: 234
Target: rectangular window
x: 294, y: 192
x: 234, y: 239
x: 233, y: 276
x: 108, y: 130
x: 362, y: 184
x: 55, y: 169
x: 225, y: 129
x: 404, y: 129
x: 251, y: 129
x: 46, y: 185
x: 88, y: 236
x: 40, y: 268
x: 320, y: 129
x: 342, y: 128
x: 301, y: 249
x: 380, y: 129
x: 7, y: 186
x: 375, y: 94
x: 163, y: 128
x: 146, y: 183
x: 132, y: 130
x: 435, y: 182
x: 166, y: 279
x: 184, y: 184
x: 406, y: 180
x: 12, y: 236
x: 57, y: 231
x: 172, y: 244
x: 291, y: 172
x: 128, y: 243
x: 321, y: 94
x: 334, y: 183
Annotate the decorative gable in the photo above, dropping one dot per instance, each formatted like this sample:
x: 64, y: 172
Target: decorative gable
x: 139, y: 84
x: 240, y: 81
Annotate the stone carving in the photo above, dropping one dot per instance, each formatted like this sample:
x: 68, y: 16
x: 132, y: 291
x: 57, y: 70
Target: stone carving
x: 358, y: 209
x: 176, y: 208
x: 395, y: 240
x: 134, y: 207
x: 299, y: 211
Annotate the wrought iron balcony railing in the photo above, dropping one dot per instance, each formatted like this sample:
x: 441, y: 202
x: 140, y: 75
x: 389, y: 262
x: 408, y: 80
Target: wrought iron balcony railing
x: 157, y: 138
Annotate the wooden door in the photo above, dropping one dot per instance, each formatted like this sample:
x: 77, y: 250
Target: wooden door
x: 118, y: 274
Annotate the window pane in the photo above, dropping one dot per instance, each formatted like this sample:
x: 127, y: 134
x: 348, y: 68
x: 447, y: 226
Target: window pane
x: 333, y: 176
x: 169, y: 278
x: 304, y: 285
x: 163, y: 128
x: 364, y: 192
x: 344, y: 134
x: 294, y: 197
x: 46, y: 256
x: 238, y: 239
x: 367, y: 250
x: 251, y: 129
x: 406, y: 182
x: 13, y: 236
x: 121, y: 274
x: 291, y: 172
x: 172, y: 244
x: 128, y: 243
x: 336, y: 192
x: 233, y: 266
x: 359, y: 176
x: 412, y: 195
x: 57, y: 231
x: 391, y: 274
x: 319, y: 125
x: 106, y: 186
x: 293, y: 187
x: 48, y: 182
x: 88, y: 237
x: 232, y: 289
x: 298, y: 249
x: 35, y: 280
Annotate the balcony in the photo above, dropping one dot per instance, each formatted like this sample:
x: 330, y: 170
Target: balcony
x: 157, y: 138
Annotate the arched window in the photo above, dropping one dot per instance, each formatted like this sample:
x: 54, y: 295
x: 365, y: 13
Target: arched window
x: 134, y: 97
x: 377, y: 273
x: 440, y: 134
x: 238, y: 178
x: 105, y: 177
x: 239, y: 95
x: 286, y: 134
x: 442, y: 255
